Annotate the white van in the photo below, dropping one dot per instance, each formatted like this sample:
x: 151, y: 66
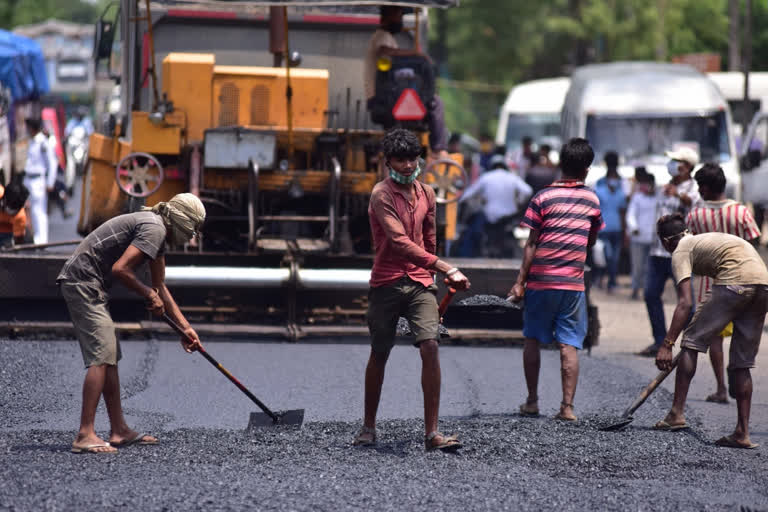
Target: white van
x: 642, y: 109
x: 532, y: 109
x: 731, y: 85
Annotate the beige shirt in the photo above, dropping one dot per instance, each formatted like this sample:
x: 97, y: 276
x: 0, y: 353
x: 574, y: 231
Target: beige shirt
x: 380, y: 38
x: 726, y: 258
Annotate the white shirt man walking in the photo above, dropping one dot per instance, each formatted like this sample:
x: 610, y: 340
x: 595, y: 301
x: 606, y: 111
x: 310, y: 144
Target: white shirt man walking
x: 40, y: 176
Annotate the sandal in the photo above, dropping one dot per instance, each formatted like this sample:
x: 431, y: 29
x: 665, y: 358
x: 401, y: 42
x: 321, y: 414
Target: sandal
x: 366, y: 437
x: 530, y: 408
x: 449, y: 444
x: 562, y: 417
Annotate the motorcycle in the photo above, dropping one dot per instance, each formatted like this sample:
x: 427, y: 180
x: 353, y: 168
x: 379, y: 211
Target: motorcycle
x: 77, y: 154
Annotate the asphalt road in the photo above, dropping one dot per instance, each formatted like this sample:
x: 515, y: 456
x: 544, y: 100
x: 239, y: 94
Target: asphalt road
x: 207, y: 459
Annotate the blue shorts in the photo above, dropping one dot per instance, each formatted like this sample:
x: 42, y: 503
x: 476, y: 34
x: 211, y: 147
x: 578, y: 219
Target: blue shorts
x: 555, y: 315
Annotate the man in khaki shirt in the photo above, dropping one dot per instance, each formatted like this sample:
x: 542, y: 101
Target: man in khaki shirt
x: 739, y: 295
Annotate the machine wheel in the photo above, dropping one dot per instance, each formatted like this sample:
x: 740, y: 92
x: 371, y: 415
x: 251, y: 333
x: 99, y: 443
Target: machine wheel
x: 444, y: 181
x: 139, y: 174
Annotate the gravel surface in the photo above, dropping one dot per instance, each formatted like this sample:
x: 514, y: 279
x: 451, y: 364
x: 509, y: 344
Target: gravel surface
x: 205, y: 460
x: 404, y: 328
x: 488, y: 300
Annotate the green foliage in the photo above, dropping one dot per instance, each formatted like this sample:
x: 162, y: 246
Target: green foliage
x: 508, y: 41
x: 24, y: 12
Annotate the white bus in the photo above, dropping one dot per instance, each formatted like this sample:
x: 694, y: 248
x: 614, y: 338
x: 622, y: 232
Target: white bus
x: 532, y: 109
x: 642, y: 109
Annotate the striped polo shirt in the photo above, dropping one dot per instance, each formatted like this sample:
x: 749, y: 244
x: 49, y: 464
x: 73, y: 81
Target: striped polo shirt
x: 726, y: 216
x: 565, y: 213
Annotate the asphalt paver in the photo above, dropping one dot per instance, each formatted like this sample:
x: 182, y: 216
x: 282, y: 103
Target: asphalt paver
x: 208, y: 459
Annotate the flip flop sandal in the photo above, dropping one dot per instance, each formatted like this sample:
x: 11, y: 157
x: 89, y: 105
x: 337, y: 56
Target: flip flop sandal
x: 716, y: 399
x: 362, y: 439
x: 667, y: 427
x: 730, y: 442
x: 449, y: 444
x: 138, y: 439
x: 560, y: 416
x: 92, y: 448
x: 530, y: 409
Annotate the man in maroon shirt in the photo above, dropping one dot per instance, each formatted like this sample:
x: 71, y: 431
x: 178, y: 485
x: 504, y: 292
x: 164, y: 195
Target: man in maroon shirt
x: 402, y: 216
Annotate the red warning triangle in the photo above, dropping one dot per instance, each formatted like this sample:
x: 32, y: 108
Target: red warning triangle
x: 409, y: 107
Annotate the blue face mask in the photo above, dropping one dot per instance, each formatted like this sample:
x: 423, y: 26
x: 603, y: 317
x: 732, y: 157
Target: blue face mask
x: 672, y: 168
x: 402, y: 179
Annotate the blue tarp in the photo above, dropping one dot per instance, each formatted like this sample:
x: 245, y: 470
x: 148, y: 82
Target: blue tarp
x: 22, y: 67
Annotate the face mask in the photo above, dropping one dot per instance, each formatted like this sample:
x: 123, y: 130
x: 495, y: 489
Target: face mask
x: 613, y: 182
x: 394, y: 27
x: 672, y: 168
x: 644, y: 188
x: 402, y: 179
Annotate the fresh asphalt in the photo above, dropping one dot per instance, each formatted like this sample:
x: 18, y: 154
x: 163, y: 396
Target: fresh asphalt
x: 207, y: 459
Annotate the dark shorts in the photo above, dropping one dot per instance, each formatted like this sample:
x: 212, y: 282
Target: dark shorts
x: 555, y: 315
x: 406, y: 298
x: 745, y: 306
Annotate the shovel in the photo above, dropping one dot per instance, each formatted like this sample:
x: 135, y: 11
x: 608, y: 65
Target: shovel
x: 268, y: 417
x: 640, y: 400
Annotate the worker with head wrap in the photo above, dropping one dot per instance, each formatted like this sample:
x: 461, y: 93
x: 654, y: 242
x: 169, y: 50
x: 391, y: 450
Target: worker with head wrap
x: 116, y: 250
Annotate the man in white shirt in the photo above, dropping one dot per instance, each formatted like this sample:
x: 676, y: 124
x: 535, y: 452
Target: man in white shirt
x: 383, y: 44
x: 504, y: 192
x: 40, y: 177
x: 677, y: 196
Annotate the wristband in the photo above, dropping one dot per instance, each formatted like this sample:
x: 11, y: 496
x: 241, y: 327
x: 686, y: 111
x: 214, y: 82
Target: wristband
x: 452, y: 271
x: 669, y: 343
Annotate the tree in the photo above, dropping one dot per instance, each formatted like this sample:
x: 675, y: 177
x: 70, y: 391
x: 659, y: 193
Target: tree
x: 25, y: 12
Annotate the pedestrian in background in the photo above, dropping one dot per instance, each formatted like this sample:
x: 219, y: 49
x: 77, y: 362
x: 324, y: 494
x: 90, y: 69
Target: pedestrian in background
x: 564, y: 220
x: 613, y: 204
x: 716, y: 213
x: 640, y: 219
x: 13, y: 218
x: 39, y: 177
x: 677, y: 196
x: 542, y: 172
x: 502, y: 192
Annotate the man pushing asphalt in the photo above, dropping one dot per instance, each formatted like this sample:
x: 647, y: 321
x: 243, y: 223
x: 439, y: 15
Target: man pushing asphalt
x: 402, y: 217
x: 116, y: 249
x: 739, y: 295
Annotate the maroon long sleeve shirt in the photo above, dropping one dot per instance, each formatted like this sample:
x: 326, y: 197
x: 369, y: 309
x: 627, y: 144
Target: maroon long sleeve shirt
x: 403, y: 231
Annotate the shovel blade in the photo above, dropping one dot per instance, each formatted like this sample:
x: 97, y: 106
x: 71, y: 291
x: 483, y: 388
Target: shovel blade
x: 259, y: 419
x: 618, y: 425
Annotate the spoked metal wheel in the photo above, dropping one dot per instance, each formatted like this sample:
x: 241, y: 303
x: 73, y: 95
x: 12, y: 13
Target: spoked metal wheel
x: 139, y: 174
x: 448, y: 178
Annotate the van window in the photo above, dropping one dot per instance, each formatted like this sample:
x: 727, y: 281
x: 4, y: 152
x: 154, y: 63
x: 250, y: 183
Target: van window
x: 644, y: 136
x: 537, y: 126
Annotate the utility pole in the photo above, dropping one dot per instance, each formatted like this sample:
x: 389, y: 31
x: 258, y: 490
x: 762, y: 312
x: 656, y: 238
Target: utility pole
x: 747, y: 46
x: 734, y: 48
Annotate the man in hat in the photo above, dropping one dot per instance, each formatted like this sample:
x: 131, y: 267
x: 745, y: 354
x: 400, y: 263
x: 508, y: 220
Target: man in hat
x: 677, y: 196
x: 115, y: 250
x: 739, y: 295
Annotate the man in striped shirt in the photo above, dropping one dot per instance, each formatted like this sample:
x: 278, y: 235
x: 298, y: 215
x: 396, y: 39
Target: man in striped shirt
x: 564, y: 219
x: 717, y: 214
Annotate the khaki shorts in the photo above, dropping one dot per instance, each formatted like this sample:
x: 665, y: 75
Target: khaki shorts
x: 407, y: 298
x: 94, y: 328
x: 745, y: 306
